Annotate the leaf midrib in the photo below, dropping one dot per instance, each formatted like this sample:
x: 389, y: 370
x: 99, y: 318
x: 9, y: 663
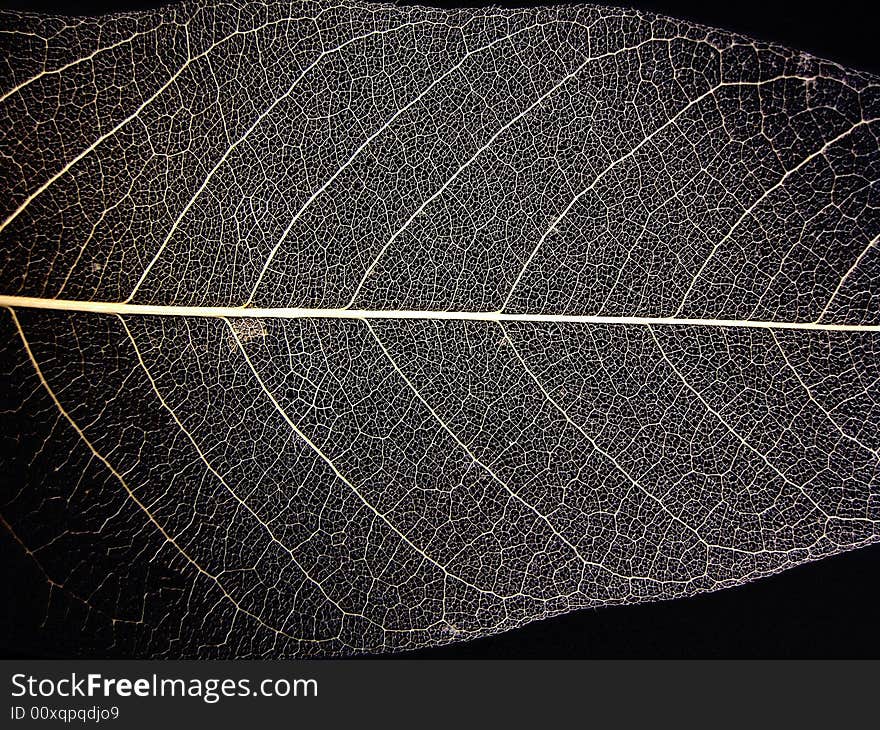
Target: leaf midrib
x: 122, y: 308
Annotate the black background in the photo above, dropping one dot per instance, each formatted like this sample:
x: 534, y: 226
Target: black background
x: 825, y: 609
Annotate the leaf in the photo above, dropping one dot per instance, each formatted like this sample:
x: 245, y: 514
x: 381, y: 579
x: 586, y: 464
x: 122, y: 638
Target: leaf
x: 336, y: 328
